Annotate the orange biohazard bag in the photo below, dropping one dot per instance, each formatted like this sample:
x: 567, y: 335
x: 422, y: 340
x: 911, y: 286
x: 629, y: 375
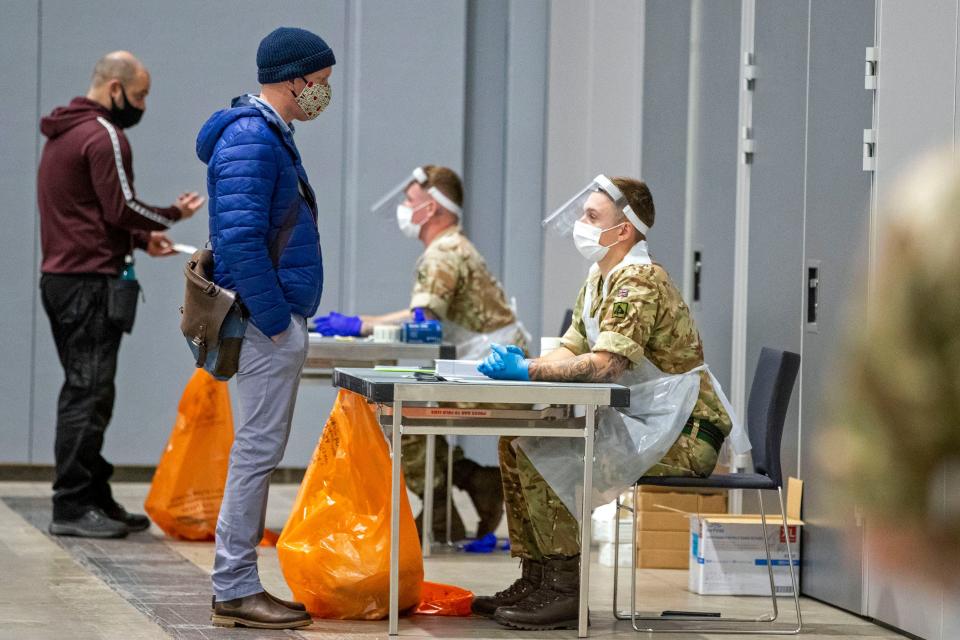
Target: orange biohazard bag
x: 444, y: 600
x: 335, y: 548
x: 187, y: 488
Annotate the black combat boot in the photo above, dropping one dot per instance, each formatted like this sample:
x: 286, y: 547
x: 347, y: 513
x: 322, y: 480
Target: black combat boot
x: 554, y: 606
x: 485, y: 488
x: 528, y: 582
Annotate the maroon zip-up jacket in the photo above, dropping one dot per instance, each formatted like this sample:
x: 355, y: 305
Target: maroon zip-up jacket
x: 90, y: 217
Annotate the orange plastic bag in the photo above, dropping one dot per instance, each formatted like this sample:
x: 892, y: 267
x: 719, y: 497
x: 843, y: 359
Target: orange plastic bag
x: 335, y: 548
x: 187, y: 488
x: 444, y: 600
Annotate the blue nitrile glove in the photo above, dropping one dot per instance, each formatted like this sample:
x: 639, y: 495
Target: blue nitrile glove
x: 486, y: 544
x: 505, y: 363
x: 337, y: 324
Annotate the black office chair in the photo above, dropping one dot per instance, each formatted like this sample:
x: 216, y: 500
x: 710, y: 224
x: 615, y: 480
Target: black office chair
x: 767, y: 408
x: 567, y: 321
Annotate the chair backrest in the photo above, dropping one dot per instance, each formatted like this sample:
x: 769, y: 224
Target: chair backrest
x: 567, y: 321
x: 767, y: 408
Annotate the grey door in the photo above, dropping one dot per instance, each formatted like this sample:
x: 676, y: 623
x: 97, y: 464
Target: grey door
x: 712, y: 174
x: 666, y: 55
x: 837, y: 218
x: 776, y: 196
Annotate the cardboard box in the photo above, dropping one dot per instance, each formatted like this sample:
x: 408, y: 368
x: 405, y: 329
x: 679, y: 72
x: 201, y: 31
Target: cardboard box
x: 662, y: 521
x: 688, y: 502
x: 662, y: 559
x: 712, y: 504
x: 665, y: 541
x: 727, y: 555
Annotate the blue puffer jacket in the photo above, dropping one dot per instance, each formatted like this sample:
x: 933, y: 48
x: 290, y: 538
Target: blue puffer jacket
x: 253, y: 171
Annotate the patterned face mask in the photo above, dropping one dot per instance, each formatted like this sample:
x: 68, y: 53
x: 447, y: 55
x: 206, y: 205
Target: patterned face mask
x: 314, y: 98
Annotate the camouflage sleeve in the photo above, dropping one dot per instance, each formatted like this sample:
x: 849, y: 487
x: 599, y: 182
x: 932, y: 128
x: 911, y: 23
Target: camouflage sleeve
x: 575, y: 339
x: 438, y: 274
x: 628, y: 315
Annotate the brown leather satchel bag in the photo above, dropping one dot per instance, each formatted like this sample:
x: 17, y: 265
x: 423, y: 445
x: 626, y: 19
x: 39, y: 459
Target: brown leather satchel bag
x: 206, y: 309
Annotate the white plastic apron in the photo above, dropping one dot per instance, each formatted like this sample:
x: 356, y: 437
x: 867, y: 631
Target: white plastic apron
x: 629, y: 441
x: 474, y: 346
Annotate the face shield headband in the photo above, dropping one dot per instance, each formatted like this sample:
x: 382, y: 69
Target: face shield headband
x: 565, y: 216
x: 387, y: 204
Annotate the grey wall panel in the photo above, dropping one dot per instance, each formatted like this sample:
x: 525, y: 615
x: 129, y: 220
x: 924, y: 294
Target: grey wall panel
x: 594, y: 116
x: 401, y: 115
x: 836, y: 226
x: 666, y: 65
x: 916, y: 85
x: 528, y: 47
x: 190, y: 80
x: 485, y: 128
x: 776, y: 197
x: 18, y: 48
x: 567, y: 136
x: 712, y: 174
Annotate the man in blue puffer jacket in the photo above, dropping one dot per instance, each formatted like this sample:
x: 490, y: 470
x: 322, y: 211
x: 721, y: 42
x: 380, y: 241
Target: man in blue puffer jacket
x: 263, y: 231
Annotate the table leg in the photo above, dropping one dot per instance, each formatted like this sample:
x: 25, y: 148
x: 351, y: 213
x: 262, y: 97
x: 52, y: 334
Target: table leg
x: 451, y: 445
x: 585, y: 517
x: 395, y: 464
x: 429, y: 471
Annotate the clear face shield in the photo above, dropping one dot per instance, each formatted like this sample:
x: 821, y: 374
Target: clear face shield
x: 387, y: 205
x: 563, y: 219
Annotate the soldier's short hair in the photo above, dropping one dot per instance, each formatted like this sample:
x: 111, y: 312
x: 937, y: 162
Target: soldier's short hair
x: 638, y: 197
x: 446, y: 180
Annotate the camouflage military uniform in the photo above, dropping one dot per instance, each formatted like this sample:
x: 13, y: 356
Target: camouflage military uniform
x: 642, y: 316
x: 453, y: 282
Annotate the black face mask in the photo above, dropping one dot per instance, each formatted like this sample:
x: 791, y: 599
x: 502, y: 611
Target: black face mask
x: 127, y: 115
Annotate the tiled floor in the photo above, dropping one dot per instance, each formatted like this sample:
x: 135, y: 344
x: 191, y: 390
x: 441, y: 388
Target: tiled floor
x: 150, y: 587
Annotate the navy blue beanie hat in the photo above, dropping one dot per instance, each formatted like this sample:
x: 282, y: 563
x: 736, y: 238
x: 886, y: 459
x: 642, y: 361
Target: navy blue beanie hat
x: 287, y: 53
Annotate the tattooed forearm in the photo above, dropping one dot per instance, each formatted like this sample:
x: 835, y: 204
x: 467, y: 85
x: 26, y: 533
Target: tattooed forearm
x: 590, y: 367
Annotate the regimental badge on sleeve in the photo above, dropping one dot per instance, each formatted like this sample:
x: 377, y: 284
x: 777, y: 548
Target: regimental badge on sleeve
x: 620, y: 309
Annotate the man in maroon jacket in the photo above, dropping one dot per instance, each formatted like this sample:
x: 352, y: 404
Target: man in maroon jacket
x: 90, y: 222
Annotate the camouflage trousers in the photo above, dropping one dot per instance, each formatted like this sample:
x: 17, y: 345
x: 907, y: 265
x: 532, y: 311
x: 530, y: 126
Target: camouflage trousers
x: 539, y: 523
x: 413, y: 452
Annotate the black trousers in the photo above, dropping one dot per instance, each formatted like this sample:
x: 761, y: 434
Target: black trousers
x: 87, y: 343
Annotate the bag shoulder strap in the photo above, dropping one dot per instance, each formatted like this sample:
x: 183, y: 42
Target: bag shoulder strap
x: 286, y: 229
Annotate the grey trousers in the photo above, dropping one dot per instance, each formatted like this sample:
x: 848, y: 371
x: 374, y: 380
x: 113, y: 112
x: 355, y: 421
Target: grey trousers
x: 267, y: 382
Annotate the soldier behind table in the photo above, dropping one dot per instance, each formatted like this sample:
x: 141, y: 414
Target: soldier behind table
x: 628, y: 309
x: 452, y: 285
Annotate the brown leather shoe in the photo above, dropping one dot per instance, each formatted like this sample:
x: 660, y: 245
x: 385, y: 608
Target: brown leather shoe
x: 259, y: 611
x: 289, y: 604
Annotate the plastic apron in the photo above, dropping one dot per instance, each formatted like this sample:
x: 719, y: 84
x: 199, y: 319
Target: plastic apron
x: 628, y: 441
x: 474, y: 346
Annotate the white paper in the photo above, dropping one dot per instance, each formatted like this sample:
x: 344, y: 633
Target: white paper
x: 185, y: 248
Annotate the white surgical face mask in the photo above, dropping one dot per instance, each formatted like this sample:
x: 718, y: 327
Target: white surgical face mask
x: 314, y: 98
x: 587, y: 239
x: 405, y: 221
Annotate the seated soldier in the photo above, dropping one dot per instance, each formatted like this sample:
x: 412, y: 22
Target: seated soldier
x: 452, y: 285
x: 628, y: 309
